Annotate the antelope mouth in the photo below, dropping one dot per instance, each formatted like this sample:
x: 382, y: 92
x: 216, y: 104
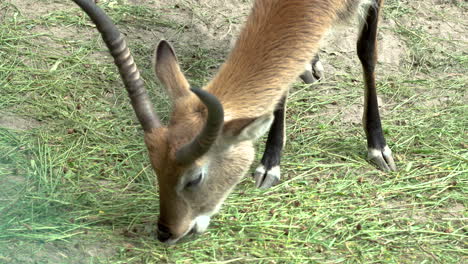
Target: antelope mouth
x: 198, y: 226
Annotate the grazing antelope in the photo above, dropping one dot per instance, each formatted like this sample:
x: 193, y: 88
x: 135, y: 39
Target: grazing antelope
x: 207, y: 147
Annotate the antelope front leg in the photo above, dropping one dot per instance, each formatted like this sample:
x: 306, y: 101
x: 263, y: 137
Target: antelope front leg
x: 378, y: 151
x: 268, y: 173
x: 313, y: 71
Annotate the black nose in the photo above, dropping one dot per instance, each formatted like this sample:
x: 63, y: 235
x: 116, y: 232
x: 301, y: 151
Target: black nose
x: 163, y: 233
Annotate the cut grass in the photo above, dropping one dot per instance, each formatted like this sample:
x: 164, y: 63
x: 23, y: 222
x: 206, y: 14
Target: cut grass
x: 80, y: 182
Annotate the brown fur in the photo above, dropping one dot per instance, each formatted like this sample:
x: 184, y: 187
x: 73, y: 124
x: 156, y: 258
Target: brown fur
x: 279, y: 37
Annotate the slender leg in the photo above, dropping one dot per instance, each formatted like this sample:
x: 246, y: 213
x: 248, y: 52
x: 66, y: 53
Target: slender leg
x: 313, y: 71
x: 378, y: 151
x: 267, y: 173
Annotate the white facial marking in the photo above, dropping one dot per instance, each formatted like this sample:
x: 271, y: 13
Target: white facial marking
x: 308, y: 67
x: 201, y: 223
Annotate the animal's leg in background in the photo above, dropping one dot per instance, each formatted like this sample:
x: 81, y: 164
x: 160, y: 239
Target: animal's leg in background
x: 378, y: 151
x: 313, y: 71
x: 267, y: 173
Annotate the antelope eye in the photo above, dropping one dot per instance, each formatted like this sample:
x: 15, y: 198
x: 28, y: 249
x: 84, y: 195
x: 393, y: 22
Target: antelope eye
x: 195, y: 181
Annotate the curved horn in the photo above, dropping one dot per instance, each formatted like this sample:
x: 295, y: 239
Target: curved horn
x: 123, y: 59
x: 203, y: 141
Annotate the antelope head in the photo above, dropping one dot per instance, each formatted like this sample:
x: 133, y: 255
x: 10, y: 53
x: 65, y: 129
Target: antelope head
x: 198, y: 158
x: 200, y: 155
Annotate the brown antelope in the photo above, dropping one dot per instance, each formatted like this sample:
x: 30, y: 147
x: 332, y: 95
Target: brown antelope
x: 207, y: 147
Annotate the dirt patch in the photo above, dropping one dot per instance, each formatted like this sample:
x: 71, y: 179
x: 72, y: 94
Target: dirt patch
x: 79, y: 250
x: 205, y: 23
x: 442, y: 19
x: 438, y: 101
x: 12, y: 121
x: 10, y: 186
x: 341, y: 42
x: 404, y: 209
x: 349, y: 114
x: 457, y: 210
x: 35, y: 9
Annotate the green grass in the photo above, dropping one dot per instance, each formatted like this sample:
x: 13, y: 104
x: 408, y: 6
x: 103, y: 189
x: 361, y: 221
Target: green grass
x: 78, y: 188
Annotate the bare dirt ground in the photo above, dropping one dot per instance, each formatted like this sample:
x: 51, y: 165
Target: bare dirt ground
x: 212, y: 26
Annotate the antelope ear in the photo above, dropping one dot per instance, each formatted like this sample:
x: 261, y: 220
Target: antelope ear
x: 168, y: 71
x: 243, y: 129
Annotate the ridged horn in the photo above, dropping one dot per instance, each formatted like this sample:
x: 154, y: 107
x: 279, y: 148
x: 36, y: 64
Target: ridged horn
x: 124, y: 61
x: 203, y: 141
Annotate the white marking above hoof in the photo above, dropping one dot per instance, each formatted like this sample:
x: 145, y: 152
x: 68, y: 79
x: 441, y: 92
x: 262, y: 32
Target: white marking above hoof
x: 374, y: 153
x: 382, y: 158
x: 318, y: 70
x: 318, y: 67
x: 266, y: 179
